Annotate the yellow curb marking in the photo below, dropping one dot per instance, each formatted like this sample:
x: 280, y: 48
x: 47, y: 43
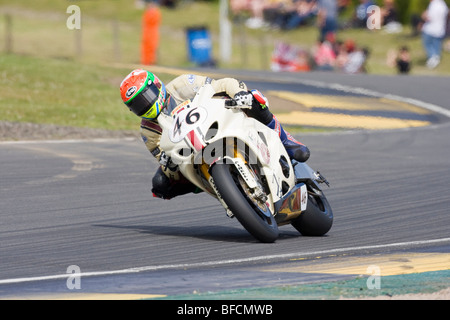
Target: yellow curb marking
x: 307, y: 117
x: 347, y: 102
x: 392, y: 264
x: 320, y: 119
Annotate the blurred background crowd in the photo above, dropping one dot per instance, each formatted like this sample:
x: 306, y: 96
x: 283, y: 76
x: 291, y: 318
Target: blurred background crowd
x: 428, y: 18
x: 348, y: 36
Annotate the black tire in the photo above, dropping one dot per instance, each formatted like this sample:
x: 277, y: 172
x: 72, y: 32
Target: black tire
x: 317, y: 218
x: 263, y: 228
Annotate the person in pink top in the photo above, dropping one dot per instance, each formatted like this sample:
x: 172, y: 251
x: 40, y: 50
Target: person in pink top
x: 324, y: 55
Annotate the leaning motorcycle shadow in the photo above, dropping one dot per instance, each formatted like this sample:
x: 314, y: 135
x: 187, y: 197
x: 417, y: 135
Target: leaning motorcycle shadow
x: 204, y: 232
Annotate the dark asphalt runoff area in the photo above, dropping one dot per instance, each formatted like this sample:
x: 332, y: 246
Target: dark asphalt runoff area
x: 87, y: 206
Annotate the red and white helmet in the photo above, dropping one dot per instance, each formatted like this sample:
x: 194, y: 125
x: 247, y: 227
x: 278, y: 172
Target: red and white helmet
x: 143, y: 93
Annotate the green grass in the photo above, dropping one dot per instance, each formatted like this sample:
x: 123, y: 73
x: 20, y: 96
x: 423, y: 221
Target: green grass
x: 353, y: 288
x: 63, y: 92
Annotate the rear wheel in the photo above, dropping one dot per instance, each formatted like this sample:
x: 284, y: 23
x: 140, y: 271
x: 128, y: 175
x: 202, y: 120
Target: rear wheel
x: 254, y: 215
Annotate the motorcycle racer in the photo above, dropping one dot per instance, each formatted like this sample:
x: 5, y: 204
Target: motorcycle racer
x: 146, y: 96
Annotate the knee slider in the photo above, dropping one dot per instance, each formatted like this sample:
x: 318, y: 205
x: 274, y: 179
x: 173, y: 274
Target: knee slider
x: 302, y: 154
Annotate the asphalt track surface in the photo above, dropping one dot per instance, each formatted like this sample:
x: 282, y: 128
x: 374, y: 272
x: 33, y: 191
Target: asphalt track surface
x: 88, y: 204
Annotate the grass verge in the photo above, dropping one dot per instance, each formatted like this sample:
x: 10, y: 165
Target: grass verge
x: 63, y: 92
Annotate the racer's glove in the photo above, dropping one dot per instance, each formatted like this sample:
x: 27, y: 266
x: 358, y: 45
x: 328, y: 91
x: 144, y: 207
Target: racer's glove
x: 260, y: 98
x: 244, y: 99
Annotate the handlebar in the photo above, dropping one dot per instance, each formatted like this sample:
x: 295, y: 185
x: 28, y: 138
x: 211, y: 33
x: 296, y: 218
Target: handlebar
x: 230, y: 103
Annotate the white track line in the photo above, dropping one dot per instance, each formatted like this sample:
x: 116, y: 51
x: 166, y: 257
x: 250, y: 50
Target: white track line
x: 225, y: 262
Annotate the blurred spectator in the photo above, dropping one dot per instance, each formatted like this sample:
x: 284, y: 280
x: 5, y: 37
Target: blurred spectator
x: 239, y: 6
x: 171, y: 4
x: 434, y: 30
x: 324, y: 54
x: 141, y: 4
x: 389, y: 18
x: 356, y: 58
x: 262, y: 13
x: 290, y: 58
x: 388, y: 12
x: 277, y: 14
x: 403, y: 61
x: 301, y: 12
x: 327, y: 17
x: 276, y: 11
x: 254, y: 8
x: 416, y: 24
x: 360, y: 15
x: 400, y: 60
x: 341, y: 52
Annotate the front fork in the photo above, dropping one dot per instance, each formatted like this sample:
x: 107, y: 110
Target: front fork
x: 247, y: 178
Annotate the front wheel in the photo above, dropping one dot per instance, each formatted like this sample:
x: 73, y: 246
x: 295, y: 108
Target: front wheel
x: 256, y: 221
x: 317, y: 219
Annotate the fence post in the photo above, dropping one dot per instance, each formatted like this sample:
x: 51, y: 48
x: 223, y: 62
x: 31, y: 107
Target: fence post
x: 264, y: 56
x: 8, y: 34
x: 243, y: 45
x: 78, y: 43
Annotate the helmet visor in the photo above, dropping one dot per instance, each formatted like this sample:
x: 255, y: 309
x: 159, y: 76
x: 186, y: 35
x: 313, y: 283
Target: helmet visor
x: 145, y: 100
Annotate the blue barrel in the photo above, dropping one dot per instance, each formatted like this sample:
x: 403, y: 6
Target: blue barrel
x: 199, y: 45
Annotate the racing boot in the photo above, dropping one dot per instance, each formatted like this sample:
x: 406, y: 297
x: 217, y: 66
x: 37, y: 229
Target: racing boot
x: 260, y: 111
x: 295, y: 149
x: 166, y: 188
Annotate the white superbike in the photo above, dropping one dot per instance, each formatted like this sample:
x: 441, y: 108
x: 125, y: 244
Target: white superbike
x: 244, y: 164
